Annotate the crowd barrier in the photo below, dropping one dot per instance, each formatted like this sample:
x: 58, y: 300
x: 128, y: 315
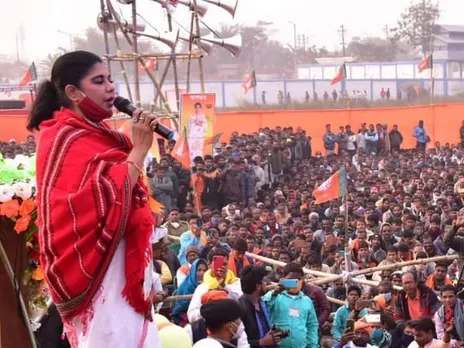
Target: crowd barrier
x: 442, y: 122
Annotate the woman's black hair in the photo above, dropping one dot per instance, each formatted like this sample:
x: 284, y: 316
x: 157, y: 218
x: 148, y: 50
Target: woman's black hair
x: 68, y: 69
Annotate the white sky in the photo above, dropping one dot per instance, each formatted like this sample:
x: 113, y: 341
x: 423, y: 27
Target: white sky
x: 319, y: 20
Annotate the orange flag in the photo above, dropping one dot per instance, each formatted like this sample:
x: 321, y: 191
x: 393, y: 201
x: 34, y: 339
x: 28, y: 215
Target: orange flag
x: 181, y: 150
x: 332, y: 188
x: 212, y: 140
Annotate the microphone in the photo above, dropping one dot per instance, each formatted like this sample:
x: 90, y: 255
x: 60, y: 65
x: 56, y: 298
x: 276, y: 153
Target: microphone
x: 124, y: 105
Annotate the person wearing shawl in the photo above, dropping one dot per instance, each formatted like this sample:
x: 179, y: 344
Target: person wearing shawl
x: 188, y: 286
x: 93, y: 208
x: 237, y: 259
x: 192, y: 253
x: 223, y: 279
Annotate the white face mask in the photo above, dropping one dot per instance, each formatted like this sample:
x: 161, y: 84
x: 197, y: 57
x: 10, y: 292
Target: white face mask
x: 239, y: 332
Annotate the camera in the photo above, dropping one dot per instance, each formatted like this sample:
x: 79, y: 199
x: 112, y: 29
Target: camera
x: 284, y: 333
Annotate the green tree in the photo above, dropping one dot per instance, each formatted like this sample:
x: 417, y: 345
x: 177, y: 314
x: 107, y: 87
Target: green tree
x: 417, y: 25
x: 372, y: 49
x: 46, y: 64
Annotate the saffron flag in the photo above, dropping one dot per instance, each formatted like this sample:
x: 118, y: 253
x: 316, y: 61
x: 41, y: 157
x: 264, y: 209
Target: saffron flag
x: 340, y: 76
x: 333, y: 188
x: 213, y: 140
x: 427, y: 63
x: 250, y: 82
x: 181, y: 150
x: 149, y: 64
x: 29, y: 76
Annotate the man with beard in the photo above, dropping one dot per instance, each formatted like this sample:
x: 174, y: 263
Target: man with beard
x: 358, y: 338
x: 255, y: 315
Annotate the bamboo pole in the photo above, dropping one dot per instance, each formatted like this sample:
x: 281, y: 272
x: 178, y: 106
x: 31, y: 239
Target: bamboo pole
x: 329, y: 278
x: 325, y: 278
x: 271, y: 287
x: 138, y: 58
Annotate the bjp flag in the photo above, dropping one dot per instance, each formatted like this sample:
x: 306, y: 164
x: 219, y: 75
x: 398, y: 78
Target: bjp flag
x: 333, y: 188
x: 181, y: 150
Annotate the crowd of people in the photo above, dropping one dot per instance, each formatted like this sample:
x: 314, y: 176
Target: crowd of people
x: 255, y: 195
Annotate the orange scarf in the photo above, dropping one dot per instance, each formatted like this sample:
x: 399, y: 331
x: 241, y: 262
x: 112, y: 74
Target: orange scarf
x: 232, y: 266
x: 430, y: 282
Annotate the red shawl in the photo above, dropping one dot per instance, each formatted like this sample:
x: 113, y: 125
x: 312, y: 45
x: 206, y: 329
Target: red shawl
x: 85, y: 207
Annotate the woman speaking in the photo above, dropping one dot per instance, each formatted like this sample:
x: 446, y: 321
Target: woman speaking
x: 94, y: 220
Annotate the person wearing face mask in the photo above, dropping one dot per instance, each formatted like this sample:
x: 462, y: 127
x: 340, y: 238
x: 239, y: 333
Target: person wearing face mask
x: 290, y: 309
x: 93, y: 207
x: 223, y: 323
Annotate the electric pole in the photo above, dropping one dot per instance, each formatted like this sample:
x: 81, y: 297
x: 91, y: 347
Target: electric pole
x: 342, y: 32
x: 385, y: 29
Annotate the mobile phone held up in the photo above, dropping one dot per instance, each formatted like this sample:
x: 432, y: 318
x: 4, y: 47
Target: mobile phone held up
x: 289, y: 283
x: 218, y: 263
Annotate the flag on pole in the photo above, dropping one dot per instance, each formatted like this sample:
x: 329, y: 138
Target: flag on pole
x: 427, y: 63
x: 29, y: 76
x: 340, y: 76
x: 250, y: 82
x: 333, y: 188
x: 181, y: 150
x: 213, y: 140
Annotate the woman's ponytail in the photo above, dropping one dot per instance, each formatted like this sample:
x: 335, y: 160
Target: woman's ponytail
x: 45, y: 104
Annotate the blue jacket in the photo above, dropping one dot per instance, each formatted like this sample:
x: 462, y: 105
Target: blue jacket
x: 341, y: 316
x: 187, y: 239
x: 297, y: 314
x: 329, y: 141
x: 420, y: 134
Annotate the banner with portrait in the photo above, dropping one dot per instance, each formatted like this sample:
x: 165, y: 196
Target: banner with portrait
x: 197, y: 115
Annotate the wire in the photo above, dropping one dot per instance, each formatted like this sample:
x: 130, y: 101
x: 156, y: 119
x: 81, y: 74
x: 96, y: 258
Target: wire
x: 211, y: 30
x: 148, y: 23
x: 180, y: 25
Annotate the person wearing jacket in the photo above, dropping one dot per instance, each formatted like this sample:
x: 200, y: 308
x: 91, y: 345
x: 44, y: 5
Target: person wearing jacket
x: 255, y: 315
x: 291, y: 309
x: 421, y: 136
x: 396, y: 138
x: 452, y: 308
x: 415, y: 300
x: 329, y: 140
x: 372, y: 139
x: 321, y: 304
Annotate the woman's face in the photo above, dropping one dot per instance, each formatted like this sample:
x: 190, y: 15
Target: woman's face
x: 201, y: 269
x: 98, y: 86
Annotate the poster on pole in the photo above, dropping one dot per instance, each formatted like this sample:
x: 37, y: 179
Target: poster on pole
x: 197, y: 116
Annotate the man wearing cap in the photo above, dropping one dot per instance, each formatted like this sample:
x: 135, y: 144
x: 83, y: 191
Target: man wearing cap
x: 358, y: 338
